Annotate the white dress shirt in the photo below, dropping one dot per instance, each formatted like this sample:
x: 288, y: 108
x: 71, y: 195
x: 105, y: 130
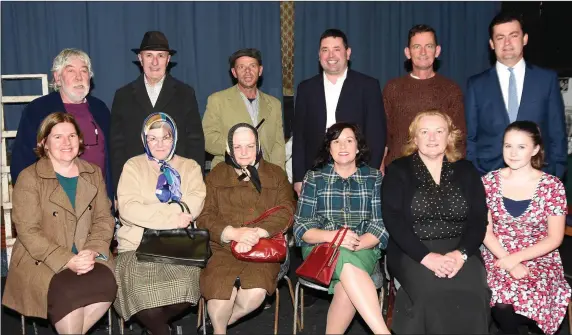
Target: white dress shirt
x: 504, y: 75
x: 332, y: 92
x: 154, y: 90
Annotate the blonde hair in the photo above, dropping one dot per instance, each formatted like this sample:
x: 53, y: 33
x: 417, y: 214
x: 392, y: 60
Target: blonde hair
x: 454, y: 140
x: 46, y: 128
x: 64, y: 58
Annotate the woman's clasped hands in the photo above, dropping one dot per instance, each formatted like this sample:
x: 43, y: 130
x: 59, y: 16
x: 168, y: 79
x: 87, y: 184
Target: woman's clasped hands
x: 83, y: 262
x: 244, y: 237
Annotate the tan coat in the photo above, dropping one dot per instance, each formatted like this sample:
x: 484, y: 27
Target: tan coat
x: 233, y: 202
x: 226, y: 108
x: 139, y: 207
x: 45, y: 222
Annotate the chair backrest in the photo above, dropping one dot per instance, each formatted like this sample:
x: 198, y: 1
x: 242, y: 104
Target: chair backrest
x: 284, y: 266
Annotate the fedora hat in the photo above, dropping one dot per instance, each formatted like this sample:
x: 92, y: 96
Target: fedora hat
x: 154, y: 40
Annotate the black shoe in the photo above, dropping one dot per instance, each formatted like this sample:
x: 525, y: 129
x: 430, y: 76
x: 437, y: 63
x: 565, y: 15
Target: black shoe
x: 208, y: 326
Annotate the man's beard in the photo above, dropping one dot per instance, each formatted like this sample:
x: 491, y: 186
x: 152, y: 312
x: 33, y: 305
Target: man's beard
x: 75, y: 97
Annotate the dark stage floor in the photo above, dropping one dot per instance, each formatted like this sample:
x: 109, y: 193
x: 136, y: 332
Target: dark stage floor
x: 261, y: 322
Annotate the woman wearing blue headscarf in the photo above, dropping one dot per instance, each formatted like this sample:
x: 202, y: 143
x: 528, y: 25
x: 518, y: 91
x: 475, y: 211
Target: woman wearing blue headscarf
x: 152, y: 292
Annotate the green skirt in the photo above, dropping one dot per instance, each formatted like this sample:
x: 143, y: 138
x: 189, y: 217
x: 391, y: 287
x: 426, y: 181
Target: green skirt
x: 365, y: 259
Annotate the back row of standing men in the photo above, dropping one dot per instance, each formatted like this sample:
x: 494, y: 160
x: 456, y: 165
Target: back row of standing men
x: 510, y: 90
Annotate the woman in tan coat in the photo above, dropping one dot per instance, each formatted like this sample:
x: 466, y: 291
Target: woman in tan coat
x: 238, y: 192
x: 155, y: 293
x: 61, y: 267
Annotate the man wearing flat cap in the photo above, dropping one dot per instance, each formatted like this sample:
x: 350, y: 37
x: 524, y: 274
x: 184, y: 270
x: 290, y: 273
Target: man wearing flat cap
x: 245, y: 103
x: 154, y: 91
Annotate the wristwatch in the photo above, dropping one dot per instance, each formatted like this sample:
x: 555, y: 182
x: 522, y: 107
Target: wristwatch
x: 463, y: 252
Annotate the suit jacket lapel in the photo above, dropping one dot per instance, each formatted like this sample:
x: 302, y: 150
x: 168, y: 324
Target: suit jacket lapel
x: 166, y: 94
x: 345, y: 92
x: 321, y: 100
x: 241, y: 111
x: 496, y: 94
x: 264, y: 109
x: 141, y: 95
x: 527, y: 92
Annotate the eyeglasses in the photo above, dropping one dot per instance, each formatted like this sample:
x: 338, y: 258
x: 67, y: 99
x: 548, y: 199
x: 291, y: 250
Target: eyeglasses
x: 152, y: 140
x: 96, y: 136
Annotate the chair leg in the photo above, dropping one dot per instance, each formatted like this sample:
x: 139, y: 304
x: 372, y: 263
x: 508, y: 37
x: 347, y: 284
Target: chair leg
x: 277, y: 309
x: 204, y: 315
x: 390, y: 302
x: 291, y: 289
x: 121, y: 325
x: 109, y: 322
x: 23, y: 320
x: 570, y: 316
x: 296, y: 308
x: 199, y: 312
x: 302, y: 308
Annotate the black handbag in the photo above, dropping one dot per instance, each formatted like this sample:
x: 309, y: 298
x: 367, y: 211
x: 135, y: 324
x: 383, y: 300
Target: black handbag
x: 183, y: 246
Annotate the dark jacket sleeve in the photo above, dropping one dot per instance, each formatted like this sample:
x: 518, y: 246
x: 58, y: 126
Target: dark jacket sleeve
x: 25, y: 142
x: 393, y: 211
x: 116, y: 137
x: 298, y: 146
x: 193, y: 131
x: 375, y: 123
x: 476, y: 225
x: 556, y: 139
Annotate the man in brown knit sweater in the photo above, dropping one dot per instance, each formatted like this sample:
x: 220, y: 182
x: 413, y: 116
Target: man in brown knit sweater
x: 419, y: 90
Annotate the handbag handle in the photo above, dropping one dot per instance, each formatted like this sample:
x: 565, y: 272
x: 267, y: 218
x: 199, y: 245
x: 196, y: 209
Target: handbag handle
x: 185, y: 209
x: 337, y: 245
x: 269, y: 212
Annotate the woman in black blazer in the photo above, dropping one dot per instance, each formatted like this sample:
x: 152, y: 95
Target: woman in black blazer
x: 434, y: 209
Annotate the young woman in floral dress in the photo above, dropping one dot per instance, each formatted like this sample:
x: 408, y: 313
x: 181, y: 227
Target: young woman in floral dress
x: 527, y: 210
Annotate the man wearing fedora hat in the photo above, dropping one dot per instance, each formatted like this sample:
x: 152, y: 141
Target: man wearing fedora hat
x: 154, y: 91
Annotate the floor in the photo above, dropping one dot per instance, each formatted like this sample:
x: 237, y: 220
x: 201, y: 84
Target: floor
x: 261, y: 322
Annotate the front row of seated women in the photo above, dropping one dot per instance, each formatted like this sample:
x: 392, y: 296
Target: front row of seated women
x: 435, y: 209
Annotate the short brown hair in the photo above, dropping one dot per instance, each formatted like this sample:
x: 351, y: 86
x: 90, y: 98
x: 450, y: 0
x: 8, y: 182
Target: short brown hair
x: 452, y: 151
x: 46, y: 127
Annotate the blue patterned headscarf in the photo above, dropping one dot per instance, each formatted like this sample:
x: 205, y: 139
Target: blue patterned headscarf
x: 169, y: 182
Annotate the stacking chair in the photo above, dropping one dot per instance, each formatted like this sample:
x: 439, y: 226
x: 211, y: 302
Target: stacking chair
x: 376, y: 276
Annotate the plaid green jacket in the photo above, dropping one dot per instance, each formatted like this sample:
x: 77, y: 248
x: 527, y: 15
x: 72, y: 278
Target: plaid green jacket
x: 329, y: 202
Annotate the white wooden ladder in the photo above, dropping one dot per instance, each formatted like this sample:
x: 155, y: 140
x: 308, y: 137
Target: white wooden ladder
x: 4, y: 167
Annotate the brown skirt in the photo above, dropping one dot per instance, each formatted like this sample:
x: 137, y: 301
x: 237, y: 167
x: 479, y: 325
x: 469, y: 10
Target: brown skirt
x: 68, y: 291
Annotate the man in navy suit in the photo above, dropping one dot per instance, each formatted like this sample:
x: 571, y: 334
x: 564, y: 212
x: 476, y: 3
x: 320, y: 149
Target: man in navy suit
x: 336, y: 95
x: 513, y: 90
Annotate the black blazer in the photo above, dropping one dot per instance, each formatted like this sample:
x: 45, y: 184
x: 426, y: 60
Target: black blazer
x: 131, y: 105
x: 398, y: 189
x: 360, y: 103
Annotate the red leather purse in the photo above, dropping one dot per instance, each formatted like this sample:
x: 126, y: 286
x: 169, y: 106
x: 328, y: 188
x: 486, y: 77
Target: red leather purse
x: 320, y: 264
x: 268, y: 249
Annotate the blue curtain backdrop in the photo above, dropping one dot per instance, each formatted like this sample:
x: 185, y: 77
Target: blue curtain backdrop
x: 377, y: 33
x: 204, y: 34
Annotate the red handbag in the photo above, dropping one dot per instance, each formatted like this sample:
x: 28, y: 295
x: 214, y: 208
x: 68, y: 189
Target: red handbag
x: 268, y: 249
x: 320, y: 264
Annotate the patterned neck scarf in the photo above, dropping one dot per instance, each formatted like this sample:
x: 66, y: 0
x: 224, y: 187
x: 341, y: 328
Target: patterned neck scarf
x: 169, y: 181
x: 250, y: 170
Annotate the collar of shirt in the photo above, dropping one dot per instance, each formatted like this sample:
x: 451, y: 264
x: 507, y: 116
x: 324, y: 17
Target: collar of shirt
x: 339, y: 82
x: 245, y: 98
x: 154, y: 89
x: 519, y: 68
x: 331, y: 176
x: 504, y: 78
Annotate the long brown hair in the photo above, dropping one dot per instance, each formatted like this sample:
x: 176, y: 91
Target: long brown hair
x: 532, y: 130
x: 452, y: 151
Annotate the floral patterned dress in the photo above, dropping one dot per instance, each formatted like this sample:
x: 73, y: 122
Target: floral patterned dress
x: 542, y: 296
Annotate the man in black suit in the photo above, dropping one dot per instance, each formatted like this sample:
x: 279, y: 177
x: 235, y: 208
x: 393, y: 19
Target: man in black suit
x: 154, y: 91
x: 336, y: 95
